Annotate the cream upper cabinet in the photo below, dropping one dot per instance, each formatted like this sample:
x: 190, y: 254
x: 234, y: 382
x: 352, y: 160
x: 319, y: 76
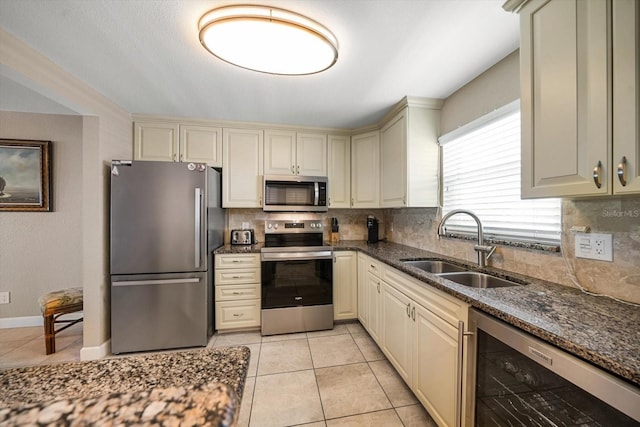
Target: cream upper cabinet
x: 410, y: 156
x: 626, y: 96
x: 291, y: 153
x: 311, y: 154
x: 242, y: 168
x: 365, y: 170
x: 339, y: 171
x: 156, y: 141
x: 579, y: 110
x: 279, y: 152
x: 201, y: 144
x: 175, y: 142
x: 345, y: 285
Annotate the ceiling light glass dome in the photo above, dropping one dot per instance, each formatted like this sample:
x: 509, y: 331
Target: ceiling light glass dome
x: 268, y: 40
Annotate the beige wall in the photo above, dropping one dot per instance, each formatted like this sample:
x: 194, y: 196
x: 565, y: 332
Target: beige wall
x: 42, y: 251
x: 497, y: 86
x: 106, y: 134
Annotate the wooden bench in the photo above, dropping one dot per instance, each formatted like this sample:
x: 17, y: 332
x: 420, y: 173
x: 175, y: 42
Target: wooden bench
x: 55, y: 304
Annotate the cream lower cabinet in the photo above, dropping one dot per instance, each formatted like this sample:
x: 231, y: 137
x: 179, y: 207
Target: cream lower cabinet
x: 420, y: 339
x: 237, y: 291
x: 345, y: 285
x: 369, y: 295
x: 397, y: 330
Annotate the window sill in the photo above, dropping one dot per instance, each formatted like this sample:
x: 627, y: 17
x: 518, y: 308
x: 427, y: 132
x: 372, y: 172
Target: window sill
x: 545, y: 247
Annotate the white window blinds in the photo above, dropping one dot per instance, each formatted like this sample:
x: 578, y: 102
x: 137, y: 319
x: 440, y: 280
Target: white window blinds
x: 481, y: 173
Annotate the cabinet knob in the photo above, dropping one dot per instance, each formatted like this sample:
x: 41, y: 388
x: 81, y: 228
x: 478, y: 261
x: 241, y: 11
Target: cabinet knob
x: 597, y: 172
x: 622, y: 171
x: 293, y: 169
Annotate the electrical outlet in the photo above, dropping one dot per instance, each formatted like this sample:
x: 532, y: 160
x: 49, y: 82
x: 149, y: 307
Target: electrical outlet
x: 5, y: 298
x: 594, y: 246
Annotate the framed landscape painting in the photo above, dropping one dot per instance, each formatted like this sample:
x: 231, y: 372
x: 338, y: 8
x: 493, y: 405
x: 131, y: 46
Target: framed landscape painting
x: 25, y: 175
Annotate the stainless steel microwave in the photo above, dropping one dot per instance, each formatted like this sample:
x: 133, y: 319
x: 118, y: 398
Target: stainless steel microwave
x: 295, y: 193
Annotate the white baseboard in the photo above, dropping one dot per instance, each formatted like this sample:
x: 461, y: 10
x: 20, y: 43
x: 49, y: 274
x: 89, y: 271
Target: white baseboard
x: 21, y: 322
x: 96, y: 352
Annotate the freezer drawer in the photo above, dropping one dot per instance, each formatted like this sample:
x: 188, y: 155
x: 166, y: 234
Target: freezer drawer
x: 153, y: 312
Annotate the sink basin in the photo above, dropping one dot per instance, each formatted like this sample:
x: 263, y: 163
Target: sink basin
x: 475, y: 279
x: 434, y: 265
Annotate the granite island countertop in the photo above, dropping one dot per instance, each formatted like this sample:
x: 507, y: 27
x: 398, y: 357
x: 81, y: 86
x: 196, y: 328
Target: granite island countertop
x: 195, y: 387
x: 599, y: 330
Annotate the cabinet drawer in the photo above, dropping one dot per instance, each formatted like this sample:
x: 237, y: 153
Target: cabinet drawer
x: 237, y: 314
x: 447, y: 307
x: 373, y: 266
x: 237, y: 261
x: 237, y: 276
x: 237, y: 292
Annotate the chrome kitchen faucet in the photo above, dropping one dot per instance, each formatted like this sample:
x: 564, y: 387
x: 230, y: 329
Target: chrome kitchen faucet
x: 484, y: 251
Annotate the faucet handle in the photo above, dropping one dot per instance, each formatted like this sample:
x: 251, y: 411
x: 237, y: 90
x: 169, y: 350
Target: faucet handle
x: 487, y: 249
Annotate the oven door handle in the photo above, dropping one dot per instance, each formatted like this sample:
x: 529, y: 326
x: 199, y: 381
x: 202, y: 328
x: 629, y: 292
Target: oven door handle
x: 294, y: 256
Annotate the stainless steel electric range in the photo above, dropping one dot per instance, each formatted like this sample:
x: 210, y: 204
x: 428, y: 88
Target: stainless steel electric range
x: 297, y: 277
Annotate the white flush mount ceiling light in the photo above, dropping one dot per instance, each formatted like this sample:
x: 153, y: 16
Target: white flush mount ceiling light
x: 268, y: 40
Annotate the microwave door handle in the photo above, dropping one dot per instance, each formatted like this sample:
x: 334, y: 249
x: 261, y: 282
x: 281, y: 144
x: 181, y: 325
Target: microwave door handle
x: 316, y: 191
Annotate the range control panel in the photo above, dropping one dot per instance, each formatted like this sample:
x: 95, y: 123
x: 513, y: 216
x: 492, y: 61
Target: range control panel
x: 295, y: 226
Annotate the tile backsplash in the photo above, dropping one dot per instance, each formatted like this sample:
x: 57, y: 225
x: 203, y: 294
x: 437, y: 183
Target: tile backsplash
x: 417, y: 227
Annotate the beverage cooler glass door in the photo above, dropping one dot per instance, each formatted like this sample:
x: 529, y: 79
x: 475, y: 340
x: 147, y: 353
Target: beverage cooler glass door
x: 523, y: 381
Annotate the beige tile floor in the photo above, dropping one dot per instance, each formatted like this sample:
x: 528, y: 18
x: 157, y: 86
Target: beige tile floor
x: 325, y: 378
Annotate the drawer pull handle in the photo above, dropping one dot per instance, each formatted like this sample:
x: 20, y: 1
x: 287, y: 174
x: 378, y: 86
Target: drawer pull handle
x: 238, y: 293
x: 238, y: 314
x: 235, y: 277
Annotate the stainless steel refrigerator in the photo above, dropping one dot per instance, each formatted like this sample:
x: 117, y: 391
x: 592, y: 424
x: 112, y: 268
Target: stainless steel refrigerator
x: 166, y: 219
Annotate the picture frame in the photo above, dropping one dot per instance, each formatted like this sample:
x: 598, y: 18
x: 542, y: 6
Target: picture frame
x: 25, y: 175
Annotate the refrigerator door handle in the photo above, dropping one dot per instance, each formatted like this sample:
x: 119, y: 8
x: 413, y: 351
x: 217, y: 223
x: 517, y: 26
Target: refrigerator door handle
x: 198, y: 230
x: 155, y: 282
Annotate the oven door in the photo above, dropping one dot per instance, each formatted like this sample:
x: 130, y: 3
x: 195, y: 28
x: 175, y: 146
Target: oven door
x: 297, y: 279
x: 521, y: 380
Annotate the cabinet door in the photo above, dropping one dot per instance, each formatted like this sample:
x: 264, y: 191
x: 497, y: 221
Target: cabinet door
x: 345, y: 286
x: 242, y: 168
x: 363, y: 291
x: 565, y: 98
x: 626, y: 96
x: 155, y: 141
x: 279, y: 152
x: 339, y: 171
x: 393, y: 160
x: 201, y: 144
x: 435, y: 350
x: 311, y: 154
x: 397, y: 330
x: 373, y: 294
x: 365, y: 170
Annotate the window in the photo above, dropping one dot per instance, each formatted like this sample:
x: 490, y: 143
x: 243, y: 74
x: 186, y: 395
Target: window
x: 481, y: 173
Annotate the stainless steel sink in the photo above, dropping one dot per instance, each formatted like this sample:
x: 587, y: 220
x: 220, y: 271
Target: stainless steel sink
x: 434, y: 265
x: 475, y: 279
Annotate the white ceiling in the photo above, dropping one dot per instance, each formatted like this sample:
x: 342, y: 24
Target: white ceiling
x: 145, y: 56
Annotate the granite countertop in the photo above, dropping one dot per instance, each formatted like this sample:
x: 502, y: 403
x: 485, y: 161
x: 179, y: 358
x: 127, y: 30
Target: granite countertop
x: 239, y: 249
x: 197, y: 387
x: 600, y: 330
